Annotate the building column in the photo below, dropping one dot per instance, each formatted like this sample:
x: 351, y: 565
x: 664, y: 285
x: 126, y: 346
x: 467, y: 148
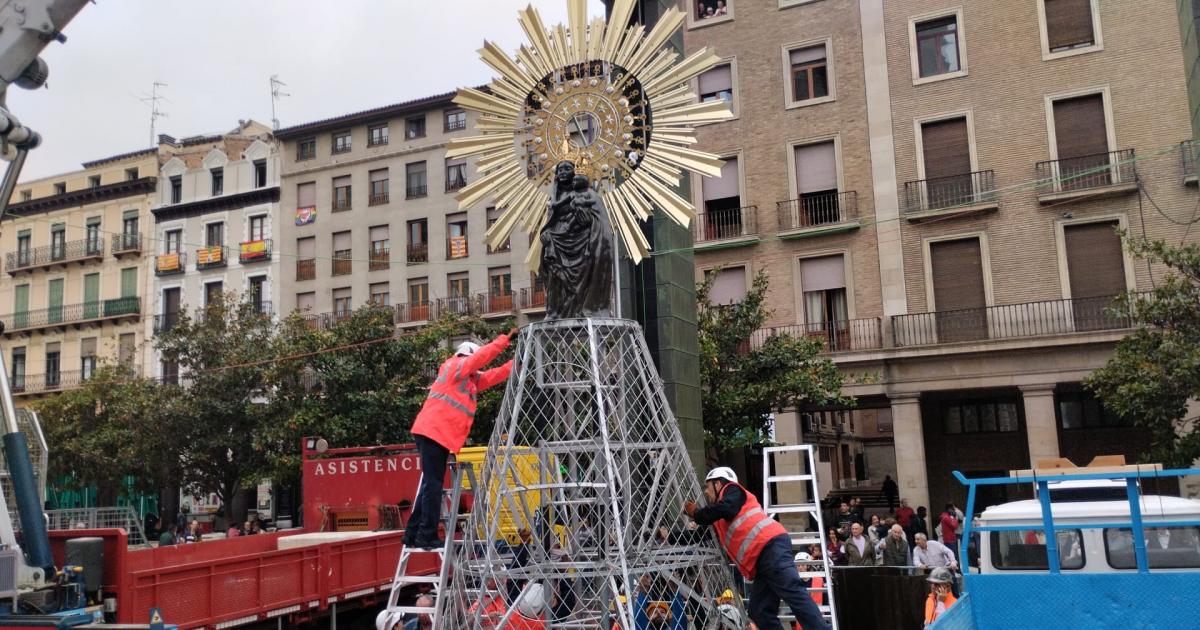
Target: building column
x: 911, y: 471
x: 1041, y: 425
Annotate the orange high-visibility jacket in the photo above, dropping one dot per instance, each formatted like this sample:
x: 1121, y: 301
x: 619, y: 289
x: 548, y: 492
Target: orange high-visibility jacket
x: 449, y: 411
x: 931, y: 606
x: 745, y: 537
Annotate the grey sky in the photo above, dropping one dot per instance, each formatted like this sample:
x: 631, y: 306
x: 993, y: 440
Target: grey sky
x: 217, y: 55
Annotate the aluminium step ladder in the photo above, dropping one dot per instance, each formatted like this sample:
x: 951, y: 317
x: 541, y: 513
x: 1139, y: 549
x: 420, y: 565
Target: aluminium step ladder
x: 802, y: 482
x: 459, y: 472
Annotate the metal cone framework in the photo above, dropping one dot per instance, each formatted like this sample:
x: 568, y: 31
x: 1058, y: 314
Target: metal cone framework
x: 587, y: 456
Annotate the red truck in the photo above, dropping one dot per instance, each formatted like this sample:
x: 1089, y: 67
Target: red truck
x: 345, y: 556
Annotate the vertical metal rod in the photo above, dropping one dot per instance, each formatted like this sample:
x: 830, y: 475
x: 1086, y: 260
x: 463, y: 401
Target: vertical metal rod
x: 333, y: 618
x: 967, y: 534
x: 1048, y: 528
x: 10, y: 179
x: 1135, y: 519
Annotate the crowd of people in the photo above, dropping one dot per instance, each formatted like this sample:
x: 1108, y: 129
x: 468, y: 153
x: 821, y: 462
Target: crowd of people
x: 186, y: 529
x: 707, y: 10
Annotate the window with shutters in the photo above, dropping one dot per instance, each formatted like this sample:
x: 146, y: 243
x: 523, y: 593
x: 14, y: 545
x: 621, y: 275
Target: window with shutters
x: 1080, y: 131
x: 415, y: 184
x: 341, y: 193
x: 959, y: 292
x: 414, y: 127
x: 173, y: 240
x: 260, y: 173
x: 93, y: 240
x: 1069, y: 27
x: 342, y: 306
x: 377, y: 135
x: 306, y: 302
x: 810, y: 79
x: 380, y: 248
x: 306, y: 263
x: 946, y: 162
x: 53, y: 366
x: 258, y: 227
x: 458, y: 285
x: 176, y: 189
x: 342, y: 254
x: 418, y: 241
x: 418, y: 291
x: 726, y: 285
x: 379, y: 186
x: 456, y: 174
x: 817, y: 199
x: 341, y: 142
x: 126, y: 347
x: 717, y: 84
x: 214, y: 234
x: 722, y: 214
x: 456, y: 236
x: 217, y: 176
x: 380, y: 294
x: 826, y: 313
x: 1095, y: 272
x: 493, y: 215
x: 455, y: 119
x: 306, y: 149
x: 936, y: 47
x: 18, y: 369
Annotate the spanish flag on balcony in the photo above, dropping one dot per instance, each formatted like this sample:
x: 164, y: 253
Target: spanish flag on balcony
x: 209, y: 255
x: 255, y: 250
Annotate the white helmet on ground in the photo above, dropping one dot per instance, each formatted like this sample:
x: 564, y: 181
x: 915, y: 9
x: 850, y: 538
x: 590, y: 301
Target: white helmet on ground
x: 389, y: 620
x: 722, y: 472
x: 466, y: 349
x: 532, y: 601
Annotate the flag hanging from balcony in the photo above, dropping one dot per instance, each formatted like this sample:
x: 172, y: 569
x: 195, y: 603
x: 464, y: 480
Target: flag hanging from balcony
x: 209, y: 255
x: 458, y: 246
x: 306, y: 215
x: 254, y: 250
x: 168, y: 262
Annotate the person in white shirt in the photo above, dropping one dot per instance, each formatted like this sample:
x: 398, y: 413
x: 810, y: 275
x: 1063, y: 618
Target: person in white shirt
x: 931, y: 554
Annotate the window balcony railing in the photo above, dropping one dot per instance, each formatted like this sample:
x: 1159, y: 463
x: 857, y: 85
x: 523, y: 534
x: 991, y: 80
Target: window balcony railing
x: 262, y: 307
x: 211, y: 257
x: 306, y: 268
x: 726, y: 224
x: 506, y: 246
x: 418, y: 252
x: 456, y: 183
x: 455, y: 125
x: 817, y: 209
x: 343, y: 263
x: 28, y: 384
x: 377, y: 199
x: 840, y: 336
x: 534, y: 297
x: 457, y: 305
x: 381, y: 258
x: 456, y: 247
x: 126, y: 244
x: 1010, y: 321
x: 341, y: 205
x: 255, y: 251
x: 1086, y: 173
x: 167, y: 264
x: 412, y: 192
x: 54, y: 254
x: 490, y: 303
x: 165, y: 322
x: 955, y: 191
x: 72, y: 314
x: 412, y: 312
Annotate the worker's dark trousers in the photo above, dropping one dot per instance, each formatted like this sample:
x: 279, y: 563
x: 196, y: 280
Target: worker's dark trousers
x: 775, y: 579
x: 427, y: 510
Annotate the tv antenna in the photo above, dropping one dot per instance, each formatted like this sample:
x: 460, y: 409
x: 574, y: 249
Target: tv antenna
x: 155, y: 113
x: 276, y: 94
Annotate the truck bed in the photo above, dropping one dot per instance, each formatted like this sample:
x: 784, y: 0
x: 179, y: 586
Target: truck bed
x: 247, y: 578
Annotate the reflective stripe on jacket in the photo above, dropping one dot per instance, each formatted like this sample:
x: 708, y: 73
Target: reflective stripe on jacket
x: 449, y: 411
x: 745, y: 536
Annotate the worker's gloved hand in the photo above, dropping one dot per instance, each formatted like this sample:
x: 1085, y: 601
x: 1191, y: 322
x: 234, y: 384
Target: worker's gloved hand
x: 689, y: 508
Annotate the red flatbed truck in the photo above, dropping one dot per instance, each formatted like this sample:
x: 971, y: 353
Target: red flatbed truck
x: 341, y: 559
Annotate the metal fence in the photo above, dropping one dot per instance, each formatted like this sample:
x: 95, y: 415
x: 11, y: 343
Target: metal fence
x: 1010, y: 321
x: 948, y: 192
x: 718, y: 225
x: 854, y: 334
x: 124, y: 517
x: 55, y: 253
x: 828, y: 208
x: 71, y: 313
x: 1085, y: 172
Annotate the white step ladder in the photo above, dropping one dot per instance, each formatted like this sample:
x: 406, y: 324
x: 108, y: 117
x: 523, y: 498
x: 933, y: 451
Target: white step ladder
x: 801, y: 456
x: 459, y: 471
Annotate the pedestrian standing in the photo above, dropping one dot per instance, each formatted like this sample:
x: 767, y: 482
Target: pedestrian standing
x: 858, y: 548
x: 919, y: 524
x: 894, y: 549
x: 904, y: 514
x: 891, y: 492
x: 949, y: 525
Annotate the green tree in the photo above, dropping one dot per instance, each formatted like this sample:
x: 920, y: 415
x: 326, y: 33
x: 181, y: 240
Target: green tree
x: 1155, y: 371
x: 112, y: 427
x: 745, y: 376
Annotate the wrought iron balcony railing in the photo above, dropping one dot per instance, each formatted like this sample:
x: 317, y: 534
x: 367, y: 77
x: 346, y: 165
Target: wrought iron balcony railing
x: 167, y: 264
x: 306, y: 268
x: 381, y: 258
x: 68, y: 314
x: 343, y: 263
x: 533, y: 297
x: 255, y: 251
x: 412, y: 192
x: 491, y: 303
x: 377, y: 199
x: 1009, y: 321
x: 27, y: 384
x: 955, y: 191
x: 126, y: 244
x: 840, y: 336
x: 1086, y: 172
x: 54, y: 254
x: 418, y: 253
x: 720, y: 225
x: 817, y: 209
x: 211, y: 257
x: 412, y: 312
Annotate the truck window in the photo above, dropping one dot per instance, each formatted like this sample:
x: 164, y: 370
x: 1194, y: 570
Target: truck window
x: 1026, y: 550
x: 1166, y: 547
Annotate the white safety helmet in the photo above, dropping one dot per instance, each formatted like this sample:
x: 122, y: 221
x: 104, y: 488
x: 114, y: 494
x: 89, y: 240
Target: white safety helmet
x: 802, y: 556
x: 467, y: 348
x: 532, y: 601
x: 722, y: 472
x: 389, y: 620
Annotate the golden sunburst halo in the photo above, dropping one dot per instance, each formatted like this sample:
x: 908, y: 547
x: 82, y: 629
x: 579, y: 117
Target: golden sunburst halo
x: 616, y: 101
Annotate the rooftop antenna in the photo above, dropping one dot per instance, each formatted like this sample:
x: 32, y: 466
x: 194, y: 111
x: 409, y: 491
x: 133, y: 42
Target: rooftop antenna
x: 155, y: 113
x: 276, y: 94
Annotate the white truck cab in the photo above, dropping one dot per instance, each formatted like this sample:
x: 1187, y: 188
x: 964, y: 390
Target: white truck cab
x: 1090, y: 550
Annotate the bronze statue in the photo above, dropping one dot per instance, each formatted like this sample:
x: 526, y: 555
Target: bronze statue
x: 577, y: 249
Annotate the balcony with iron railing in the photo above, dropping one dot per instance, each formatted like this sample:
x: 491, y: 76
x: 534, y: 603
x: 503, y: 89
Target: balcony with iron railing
x: 72, y: 315
x: 381, y: 258
x: 255, y: 251
x: 306, y: 268
x: 170, y: 263
x: 840, y: 336
x: 1188, y: 154
x: 1088, y: 176
x: 412, y: 312
x: 377, y: 199
x: 496, y: 303
x: 341, y: 204
x: 413, y: 192
x: 55, y: 254
x: 455, y: 183
x: 457, y: 305
x: 31, y: 384
x: 212, y: 257
x: 343, y: 262
x: 968, y: 193
x: 418, y: 253
x: 533, y: 297
x: 818, y: 213
x: 126, y: 245
x: 1010, y: 321
x: 728, y: 227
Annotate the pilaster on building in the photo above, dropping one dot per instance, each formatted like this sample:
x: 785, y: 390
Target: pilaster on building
x: 935, y: 193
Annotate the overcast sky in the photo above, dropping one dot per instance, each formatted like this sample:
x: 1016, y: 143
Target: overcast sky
x: 216, y: 57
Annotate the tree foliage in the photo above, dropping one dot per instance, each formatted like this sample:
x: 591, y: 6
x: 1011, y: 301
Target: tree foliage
x: 747, y: 375
x: 1155, y: 371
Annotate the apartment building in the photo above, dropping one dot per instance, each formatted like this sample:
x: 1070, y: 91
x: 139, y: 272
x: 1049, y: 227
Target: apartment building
x: 74, y: 278
x: 934, y: 190
x: 350, y: 237
x: 216, y: 221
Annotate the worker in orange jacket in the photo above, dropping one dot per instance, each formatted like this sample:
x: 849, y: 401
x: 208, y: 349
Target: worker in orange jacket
x: 442, y: 426
x: 940, y: 598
